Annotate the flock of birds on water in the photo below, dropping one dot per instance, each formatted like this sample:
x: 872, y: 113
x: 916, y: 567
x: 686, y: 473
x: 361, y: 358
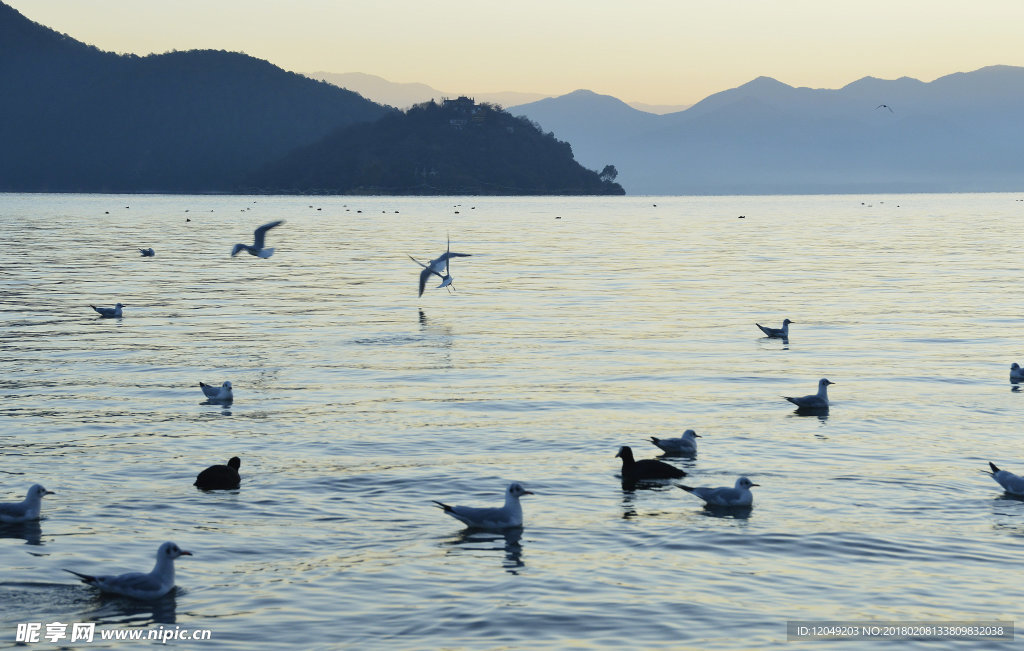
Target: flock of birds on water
x: 738, y: 498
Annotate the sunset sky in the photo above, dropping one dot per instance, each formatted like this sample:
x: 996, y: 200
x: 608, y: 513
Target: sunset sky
x: 653, y: 51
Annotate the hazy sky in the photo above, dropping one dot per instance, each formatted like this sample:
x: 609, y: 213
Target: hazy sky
x: 654, y: 51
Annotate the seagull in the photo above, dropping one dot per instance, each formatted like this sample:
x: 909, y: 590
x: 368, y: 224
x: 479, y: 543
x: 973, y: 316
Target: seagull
x: 1016, y: 373
x: 438, y: 264
x: 685, y: 445
x: 109, y: 312
x: 1010, y: 482
x: 885, y: 106
x: 220, y: 477
x: 217, y: 394
x: 818, y: 400
x: 776, y: 333
x: 136, y: 584
x: 147, y: 253
x: 739, y: 495
x: 27, y: 509
x: 510, y: 515
x: 259, y: 237
x: 633, y: 471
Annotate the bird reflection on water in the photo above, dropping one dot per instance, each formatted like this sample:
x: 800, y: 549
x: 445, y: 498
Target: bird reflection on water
x: 507, y: 540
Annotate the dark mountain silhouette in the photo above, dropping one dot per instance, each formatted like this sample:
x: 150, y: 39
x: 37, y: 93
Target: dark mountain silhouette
x: 957, y: 133
x: 74, y: 118
x: 455, y: 147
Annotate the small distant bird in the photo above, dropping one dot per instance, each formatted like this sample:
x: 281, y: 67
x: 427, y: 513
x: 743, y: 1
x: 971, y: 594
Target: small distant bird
x: 633, y: 471
x: 147, y: 253
x: 25, y: 510
x: 510, y: 515
x: 1011, y: 483
x: 1016, y: 373
x: 109, y: 312
x: 685, y: 445
x: 776, y: 333
x: 259, y: 239
x: 885, y: 106
x: 739, y: 495
x: 436, y: 266
x: 219, y: 477
x: 222, y: 393
x: 136, y: 584
x: 818, y: 400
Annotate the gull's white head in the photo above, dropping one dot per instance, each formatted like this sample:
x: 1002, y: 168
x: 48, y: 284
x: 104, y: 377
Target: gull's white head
x: 786, y: 322
x: 226, y: 385
x: 170, y: 551
x: 824, y: 382
x: 690, y: 434
x: 744, y: 482
x: 516, y: 490
x: 36, y: 492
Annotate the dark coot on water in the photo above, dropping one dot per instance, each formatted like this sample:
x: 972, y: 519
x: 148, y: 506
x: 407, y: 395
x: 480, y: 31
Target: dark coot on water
x: 220, y: 477
x: 633, y: 470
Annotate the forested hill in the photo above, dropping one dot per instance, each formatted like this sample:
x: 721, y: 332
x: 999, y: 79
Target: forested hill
x: 455, y: 147
x: 74, y: 118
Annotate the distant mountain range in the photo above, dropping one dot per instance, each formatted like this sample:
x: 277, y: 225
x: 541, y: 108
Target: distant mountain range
x: 77, y: 119
x: 960, y: 133
x: 404, y: 95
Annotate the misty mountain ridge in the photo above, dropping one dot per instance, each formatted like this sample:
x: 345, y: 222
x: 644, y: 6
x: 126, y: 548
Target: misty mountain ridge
x: 958, y: 133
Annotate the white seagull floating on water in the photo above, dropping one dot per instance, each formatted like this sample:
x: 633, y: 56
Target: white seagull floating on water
x: 685, y: 444
x: 1010, y: 482
x: 776, y: 333
x: 109, y: 312
x: 136, y: 584
x: 217, y: 394
x: 259, y: 239
x: 817, y: 400
x: 25, y: 510
x: 436, y: 266
x: 510, y: 515
x: 739, y: 495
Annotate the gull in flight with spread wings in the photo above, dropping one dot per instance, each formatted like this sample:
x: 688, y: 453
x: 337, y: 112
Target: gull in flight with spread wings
x: 437, y: 265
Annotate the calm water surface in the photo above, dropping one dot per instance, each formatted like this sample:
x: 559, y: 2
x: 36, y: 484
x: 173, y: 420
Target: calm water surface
x: 578, y: 325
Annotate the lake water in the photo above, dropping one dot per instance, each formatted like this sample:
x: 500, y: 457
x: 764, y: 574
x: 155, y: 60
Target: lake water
x: 579, y: 325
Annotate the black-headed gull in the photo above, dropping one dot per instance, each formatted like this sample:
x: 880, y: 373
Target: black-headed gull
x: 436, y: 266
x: 259, y: 239
x: 222, y: 393
x: 633, y: 471
x: 510, y: 515
x: 685, y: 445
x: 1016, y: 373
x: 136, y: 584
x: 776, y: 333
x: 147, y: 253
x: 25, y: 510
x: 817, y: 400
x: 1010, y: 482
x: 220, y: 477
x: 109, y: 312
x: 739, y: 495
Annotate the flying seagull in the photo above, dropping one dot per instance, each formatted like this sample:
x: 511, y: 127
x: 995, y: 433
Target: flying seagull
x: 259, y: 237
x: 510, y: 515
x: 885, y: 106
x: 776, y: 333
x: 136, y: 584
x: 109, y: 312
x: 25, y: 510
x: 436, y: 266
